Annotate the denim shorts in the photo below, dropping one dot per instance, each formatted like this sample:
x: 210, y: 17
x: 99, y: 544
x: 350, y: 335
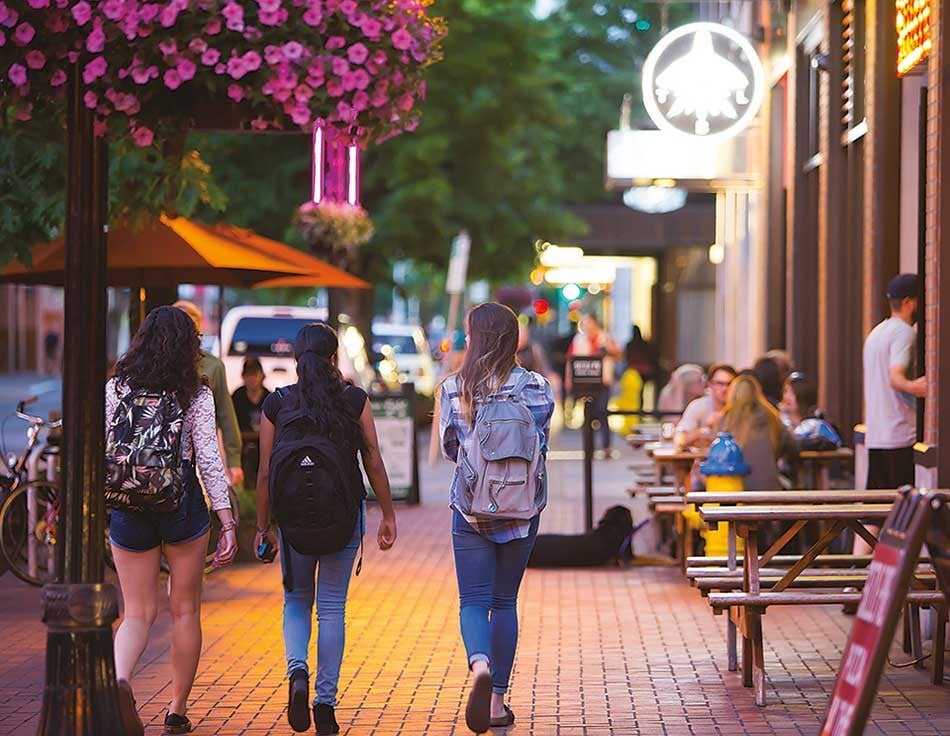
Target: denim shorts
x: 140, y: 531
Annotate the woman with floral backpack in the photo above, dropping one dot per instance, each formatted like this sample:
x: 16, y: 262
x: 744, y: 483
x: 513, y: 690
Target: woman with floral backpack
x: 161, y: 429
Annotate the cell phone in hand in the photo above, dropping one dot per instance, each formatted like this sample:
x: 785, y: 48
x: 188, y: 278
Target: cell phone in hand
x: 266, y: 552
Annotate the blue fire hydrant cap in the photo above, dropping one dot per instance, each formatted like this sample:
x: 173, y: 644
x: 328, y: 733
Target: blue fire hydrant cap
x: 725, y: 458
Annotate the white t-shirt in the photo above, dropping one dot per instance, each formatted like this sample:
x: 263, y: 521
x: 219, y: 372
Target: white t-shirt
x: 890, y: 415
x: 696, y: 414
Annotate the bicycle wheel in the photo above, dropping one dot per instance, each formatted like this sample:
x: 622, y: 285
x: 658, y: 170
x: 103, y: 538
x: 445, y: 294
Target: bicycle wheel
x: 29, y: 521
x: 216, y: 528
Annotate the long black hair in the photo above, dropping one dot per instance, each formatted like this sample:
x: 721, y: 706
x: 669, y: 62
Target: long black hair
x: 164, y: 355
x: 320, y: 385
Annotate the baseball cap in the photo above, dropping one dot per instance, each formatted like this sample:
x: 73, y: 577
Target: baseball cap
x: 903, y: 286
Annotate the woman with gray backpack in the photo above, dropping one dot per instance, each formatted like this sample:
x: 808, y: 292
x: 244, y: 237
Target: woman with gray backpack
x: 160, y: 429
x: 310, y: 482
x: 494, y: 423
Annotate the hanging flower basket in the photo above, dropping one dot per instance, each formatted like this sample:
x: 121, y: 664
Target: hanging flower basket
x: 272, y: 64
x: 334, y: 230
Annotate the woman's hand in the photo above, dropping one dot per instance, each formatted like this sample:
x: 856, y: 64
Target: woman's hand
x: 259, y: 538
x: 386, y: 536
x: 227, y: 545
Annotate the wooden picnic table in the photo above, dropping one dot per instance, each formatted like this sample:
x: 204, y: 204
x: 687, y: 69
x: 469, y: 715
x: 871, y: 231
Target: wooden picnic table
x: 746, y: 521
x: 680, y: 462
x: 796, y: 497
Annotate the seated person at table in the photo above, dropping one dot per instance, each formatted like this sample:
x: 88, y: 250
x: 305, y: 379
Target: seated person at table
x: 757, y: 427
x: 686, y: 383
x: 799, y: 400
x: 248, y: 400
x: 769, y: 375
x: 701, y: 417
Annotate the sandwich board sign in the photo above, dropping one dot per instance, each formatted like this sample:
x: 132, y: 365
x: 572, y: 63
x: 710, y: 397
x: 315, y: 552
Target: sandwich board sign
x: 587, y: 375
x: 892, y: 566
x: 394, y: 415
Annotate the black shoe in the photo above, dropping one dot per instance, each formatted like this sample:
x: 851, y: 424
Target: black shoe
x: 131, y: 721
x: 478, y: 710
x: 325, y: 720
x: 298, y: 701
x: 176, y: 724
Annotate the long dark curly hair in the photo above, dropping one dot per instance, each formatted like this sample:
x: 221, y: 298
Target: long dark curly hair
x: 492, y: 331
x: 164, y: 355
x: 320, y: 385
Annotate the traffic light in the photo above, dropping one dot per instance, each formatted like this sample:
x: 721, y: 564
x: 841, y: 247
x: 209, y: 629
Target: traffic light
x: 541, y: 307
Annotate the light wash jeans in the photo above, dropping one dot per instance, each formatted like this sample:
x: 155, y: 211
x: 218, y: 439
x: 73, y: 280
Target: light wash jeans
x: 489, y: 575
x: 332, y: 582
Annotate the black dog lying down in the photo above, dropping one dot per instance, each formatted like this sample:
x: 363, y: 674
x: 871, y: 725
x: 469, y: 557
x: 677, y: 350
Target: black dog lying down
x: 609, y: 542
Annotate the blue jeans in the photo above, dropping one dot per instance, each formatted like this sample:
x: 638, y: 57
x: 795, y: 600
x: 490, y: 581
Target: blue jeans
x: 489, y: 575
x: 332, y: 582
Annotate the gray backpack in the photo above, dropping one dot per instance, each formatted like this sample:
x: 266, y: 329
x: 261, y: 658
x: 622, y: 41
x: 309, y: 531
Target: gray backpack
x: 502, y: 474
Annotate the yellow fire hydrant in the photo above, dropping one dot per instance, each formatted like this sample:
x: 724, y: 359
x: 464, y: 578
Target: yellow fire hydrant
x: 725, y: 469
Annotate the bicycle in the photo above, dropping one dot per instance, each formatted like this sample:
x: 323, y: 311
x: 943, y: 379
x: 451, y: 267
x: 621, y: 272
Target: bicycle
x: 29, y: 514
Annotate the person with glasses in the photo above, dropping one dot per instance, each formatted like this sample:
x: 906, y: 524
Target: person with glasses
x: 699, y: 420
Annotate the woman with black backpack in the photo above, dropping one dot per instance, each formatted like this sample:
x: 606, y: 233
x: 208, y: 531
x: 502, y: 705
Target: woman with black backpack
x: 160, y: 429
x: 310, y: 479
x: 494, y: 422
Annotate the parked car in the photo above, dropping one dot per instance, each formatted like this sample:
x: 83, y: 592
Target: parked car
x: 407, y: 346
x: 268, y: 333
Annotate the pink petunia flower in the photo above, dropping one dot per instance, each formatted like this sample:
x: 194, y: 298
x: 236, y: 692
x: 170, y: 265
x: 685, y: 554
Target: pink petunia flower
x: 213, y: 27
x: 345, y: 111
x: 24, y: 34
x: 300, y: 115
x: 197, y: 45
x: 275, y: 18
x: 335, y: 42
x: 35, y: 59
x: 220, y: 68
x: 259, y: 123
x: 99, y: 128
x: 17, y: 74
x: 312, y: 16
x: 168, y: 48
x: 172, y: 79
x: 379, y: 57
x: 82, y: 12
x: 96, y: 40
x: 113, y: 9
x: 186, y: 69
x: 148, y: 12
x: 58, y: 79
x: 293, y: 51
x: 37, y: 4
x: 335, y: 88
x: 273, y: 55
x: 142, y: 136
x: 373, y: 29
x: 402, y: 39
x: 340, y: 66
x: 361, y: 79
x: 236, y: 67
x: 302, y: 93
x: 268, y: 6
x: 236, y: 92
x: 90, y: 100
x: 379, y: 97
x: 140, y: 75
x: 357, y: 53
x: 234, y: 15
x: 360, y: 101
x: 348, y: 7
x: 168, y: 16
x: 210, y: 56
x: 252, y: 60
x: 405, y: 102
x: 94, y: 69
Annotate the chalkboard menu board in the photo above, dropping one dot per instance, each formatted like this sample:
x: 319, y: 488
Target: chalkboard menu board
x: 394, y: 415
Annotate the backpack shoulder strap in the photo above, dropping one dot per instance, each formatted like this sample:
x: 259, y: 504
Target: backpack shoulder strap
x: 520, y: 384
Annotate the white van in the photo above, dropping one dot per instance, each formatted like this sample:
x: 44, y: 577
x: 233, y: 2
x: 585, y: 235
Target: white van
x: 408, y: 347
x: 268, y: 334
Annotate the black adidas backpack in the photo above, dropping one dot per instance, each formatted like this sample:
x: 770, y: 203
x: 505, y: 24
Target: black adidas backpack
x: 311, y: 489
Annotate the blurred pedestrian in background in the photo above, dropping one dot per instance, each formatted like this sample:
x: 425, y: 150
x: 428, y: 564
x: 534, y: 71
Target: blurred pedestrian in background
x: 687, y: 383
x: 248, y: 400
x: 593, y: 341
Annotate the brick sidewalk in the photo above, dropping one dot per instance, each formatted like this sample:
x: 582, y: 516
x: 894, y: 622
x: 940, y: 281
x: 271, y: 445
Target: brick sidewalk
x: 608, y: 651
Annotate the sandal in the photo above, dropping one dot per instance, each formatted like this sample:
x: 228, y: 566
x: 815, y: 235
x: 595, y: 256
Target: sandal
x: 506, y: 720
x: 176, y: 724
x: 131, y: 722
x: 478, y: 710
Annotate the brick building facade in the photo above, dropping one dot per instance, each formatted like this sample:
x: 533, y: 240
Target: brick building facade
x: 856, y: 161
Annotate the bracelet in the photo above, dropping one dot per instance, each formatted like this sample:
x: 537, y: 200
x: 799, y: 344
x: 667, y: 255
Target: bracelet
x: 265, y: 530
x: 228, y: 526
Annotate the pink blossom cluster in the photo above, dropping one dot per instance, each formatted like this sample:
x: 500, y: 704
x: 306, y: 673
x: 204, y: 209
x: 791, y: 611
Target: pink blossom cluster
x: 356, y: 65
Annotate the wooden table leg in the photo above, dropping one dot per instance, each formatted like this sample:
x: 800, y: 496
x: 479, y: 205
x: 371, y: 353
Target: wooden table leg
x: 939, y: 644
x: 758, y: 656
x: 731, y: 639
x: 916, y: 640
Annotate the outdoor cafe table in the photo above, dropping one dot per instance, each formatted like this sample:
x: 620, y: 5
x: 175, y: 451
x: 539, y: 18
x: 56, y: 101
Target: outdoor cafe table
x: 814, y: 466
x: 680, y: 461
x: 746, y: 521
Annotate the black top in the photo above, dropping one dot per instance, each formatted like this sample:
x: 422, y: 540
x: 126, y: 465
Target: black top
x: 355, y: 399
x: 248, y: 413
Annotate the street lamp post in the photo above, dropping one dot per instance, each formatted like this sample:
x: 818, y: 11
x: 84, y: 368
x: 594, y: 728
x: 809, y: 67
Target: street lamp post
x: 80, y: 698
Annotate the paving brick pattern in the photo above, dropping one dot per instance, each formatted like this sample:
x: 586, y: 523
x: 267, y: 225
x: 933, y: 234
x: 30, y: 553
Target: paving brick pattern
x: 602, y: 652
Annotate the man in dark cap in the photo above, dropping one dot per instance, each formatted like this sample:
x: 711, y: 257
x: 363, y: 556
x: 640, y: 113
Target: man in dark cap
x: 890, y: 391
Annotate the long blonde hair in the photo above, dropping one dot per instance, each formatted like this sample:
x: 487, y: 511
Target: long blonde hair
x: 747, y: 410
x: 492, y: 331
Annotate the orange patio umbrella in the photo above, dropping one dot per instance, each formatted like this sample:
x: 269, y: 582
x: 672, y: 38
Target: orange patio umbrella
x: 169, y: 251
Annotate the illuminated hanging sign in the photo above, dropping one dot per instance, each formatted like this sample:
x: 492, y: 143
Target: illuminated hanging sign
x: 704, y: 80
x: 914, y: 40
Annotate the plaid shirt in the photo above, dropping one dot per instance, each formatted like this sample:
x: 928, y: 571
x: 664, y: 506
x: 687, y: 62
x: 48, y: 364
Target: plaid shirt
x: 454, y: 432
